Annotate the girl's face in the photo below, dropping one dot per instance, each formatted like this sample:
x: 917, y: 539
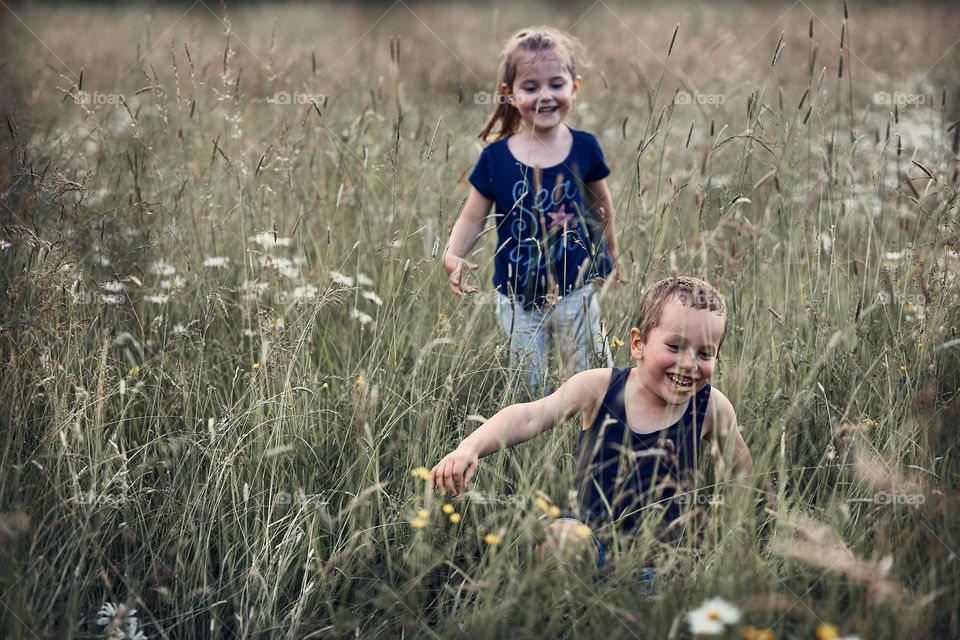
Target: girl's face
x: 679, y: 355
x: 543, y: 77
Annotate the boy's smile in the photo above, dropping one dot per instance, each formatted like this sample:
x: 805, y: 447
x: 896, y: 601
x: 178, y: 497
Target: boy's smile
x: 679, y: 355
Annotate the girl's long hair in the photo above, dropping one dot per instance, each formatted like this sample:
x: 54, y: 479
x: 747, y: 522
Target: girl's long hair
x: 534, y: 41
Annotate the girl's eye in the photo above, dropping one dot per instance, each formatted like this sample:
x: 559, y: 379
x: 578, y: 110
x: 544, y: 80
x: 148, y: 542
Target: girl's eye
x: 673, y: 347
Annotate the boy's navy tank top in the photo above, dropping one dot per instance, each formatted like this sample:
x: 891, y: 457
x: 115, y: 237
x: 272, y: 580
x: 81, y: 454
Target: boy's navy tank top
x: 625, y: 476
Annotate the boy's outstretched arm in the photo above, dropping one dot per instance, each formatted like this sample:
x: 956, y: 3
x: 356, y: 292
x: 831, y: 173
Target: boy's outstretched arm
x: 518, y: 423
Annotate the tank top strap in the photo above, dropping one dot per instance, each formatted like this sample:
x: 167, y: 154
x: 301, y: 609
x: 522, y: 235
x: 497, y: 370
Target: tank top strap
x: 699, y: 409
x: 612, y: 403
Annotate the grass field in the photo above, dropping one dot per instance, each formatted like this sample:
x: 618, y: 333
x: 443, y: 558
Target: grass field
x: 227, y: 339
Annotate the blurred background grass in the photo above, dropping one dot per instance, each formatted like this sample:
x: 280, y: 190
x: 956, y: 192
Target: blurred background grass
x: 227, y: 339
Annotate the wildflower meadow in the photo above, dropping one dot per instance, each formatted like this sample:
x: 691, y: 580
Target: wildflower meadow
x: 229, y: 353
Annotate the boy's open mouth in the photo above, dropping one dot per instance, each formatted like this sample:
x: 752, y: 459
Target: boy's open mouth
x: 680, y: 382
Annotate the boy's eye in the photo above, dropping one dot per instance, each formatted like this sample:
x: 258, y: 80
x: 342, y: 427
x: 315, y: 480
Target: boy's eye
x: 706, y: 355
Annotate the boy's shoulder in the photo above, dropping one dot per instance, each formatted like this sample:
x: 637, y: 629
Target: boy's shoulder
x: 588, y: 383
x: 720, y: 413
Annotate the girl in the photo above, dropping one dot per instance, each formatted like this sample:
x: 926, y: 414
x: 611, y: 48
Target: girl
x: 554, y: 215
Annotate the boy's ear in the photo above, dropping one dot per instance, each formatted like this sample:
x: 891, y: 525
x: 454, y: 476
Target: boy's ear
x: 636, y: 344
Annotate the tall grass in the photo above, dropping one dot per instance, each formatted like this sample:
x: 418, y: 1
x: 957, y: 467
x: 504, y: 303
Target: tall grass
x: 226, y: 446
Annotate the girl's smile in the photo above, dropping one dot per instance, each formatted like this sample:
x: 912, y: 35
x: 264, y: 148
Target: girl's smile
x: 543, y: 92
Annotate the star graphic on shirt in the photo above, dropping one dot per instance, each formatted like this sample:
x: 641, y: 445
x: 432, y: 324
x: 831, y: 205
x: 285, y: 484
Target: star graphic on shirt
x: 560, y: 217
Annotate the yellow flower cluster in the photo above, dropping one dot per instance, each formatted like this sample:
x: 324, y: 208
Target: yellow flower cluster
x: 552, y: 509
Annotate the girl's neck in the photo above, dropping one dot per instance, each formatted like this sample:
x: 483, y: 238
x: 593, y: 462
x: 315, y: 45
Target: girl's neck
x: 545, y: 137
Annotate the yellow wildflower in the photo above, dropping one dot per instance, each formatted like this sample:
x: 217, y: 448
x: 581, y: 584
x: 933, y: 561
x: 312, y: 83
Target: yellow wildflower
x: 554, y: 511
x: 256, y: 365
x: 751, y: 632
x: 584, y: 531
x: 418, y: 522
x: 447, y: 508
x: 492, y: 539
x: 359, y: 382
x: 616, y: 342
x: 423, y: 513
x: 454, y: 518
x: 421, y: 472
x: 543, y: 504
x: 826, y: 631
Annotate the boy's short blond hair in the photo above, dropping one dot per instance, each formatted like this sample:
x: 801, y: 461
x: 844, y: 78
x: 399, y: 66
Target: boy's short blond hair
x: 691, y: 292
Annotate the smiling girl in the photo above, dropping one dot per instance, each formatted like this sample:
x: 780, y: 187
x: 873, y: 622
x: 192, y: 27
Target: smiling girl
x: 553, y: 215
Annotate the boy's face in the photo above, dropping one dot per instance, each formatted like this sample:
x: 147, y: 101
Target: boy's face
x: 678, y: 356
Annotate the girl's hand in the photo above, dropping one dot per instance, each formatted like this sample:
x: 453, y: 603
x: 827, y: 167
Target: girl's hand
x: 454, y: 266
x: 454, y: 472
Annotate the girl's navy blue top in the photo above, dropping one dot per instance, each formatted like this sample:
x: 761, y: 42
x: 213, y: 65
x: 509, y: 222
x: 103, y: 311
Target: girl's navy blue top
x: 546, y: 237
x: 625, y: 476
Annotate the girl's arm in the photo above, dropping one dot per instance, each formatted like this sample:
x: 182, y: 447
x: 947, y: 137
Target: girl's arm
x: 600, y: 202
x: 518, y: 423
x: 463, y: 236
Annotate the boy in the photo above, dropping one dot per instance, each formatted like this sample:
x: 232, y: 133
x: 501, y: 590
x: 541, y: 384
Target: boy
x: 638, y: 448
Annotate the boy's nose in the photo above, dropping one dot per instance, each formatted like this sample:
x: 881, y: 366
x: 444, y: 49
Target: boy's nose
x: 688, y: 360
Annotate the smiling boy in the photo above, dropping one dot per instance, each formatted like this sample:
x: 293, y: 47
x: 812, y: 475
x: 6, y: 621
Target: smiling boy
x: 639, y: 446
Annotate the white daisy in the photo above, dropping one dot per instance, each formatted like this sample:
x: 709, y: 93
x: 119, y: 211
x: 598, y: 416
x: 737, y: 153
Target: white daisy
x: 162, y: 268
x: 307, y: 291
x: 712, y: 616
x: 364, y: 280
x: 4, y: 244
x: 217, y: 262
x: 157, y: 298
x: 178, y: 329
x: 113, y: 286
x: 372, y: 297
x: 175, y: 282
x: 894, y: 255
x: 340, y: 278
x: 361, y: 316
x: 268, y: 239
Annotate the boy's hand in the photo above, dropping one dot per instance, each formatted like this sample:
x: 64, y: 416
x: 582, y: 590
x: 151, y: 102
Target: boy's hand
x: 454, y: 472
x: 454, y: 266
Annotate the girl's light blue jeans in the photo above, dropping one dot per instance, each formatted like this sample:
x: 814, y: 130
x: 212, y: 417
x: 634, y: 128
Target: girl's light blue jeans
x: 572, y: 325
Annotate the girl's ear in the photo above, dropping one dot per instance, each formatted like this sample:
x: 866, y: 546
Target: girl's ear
x: 576, y: 85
